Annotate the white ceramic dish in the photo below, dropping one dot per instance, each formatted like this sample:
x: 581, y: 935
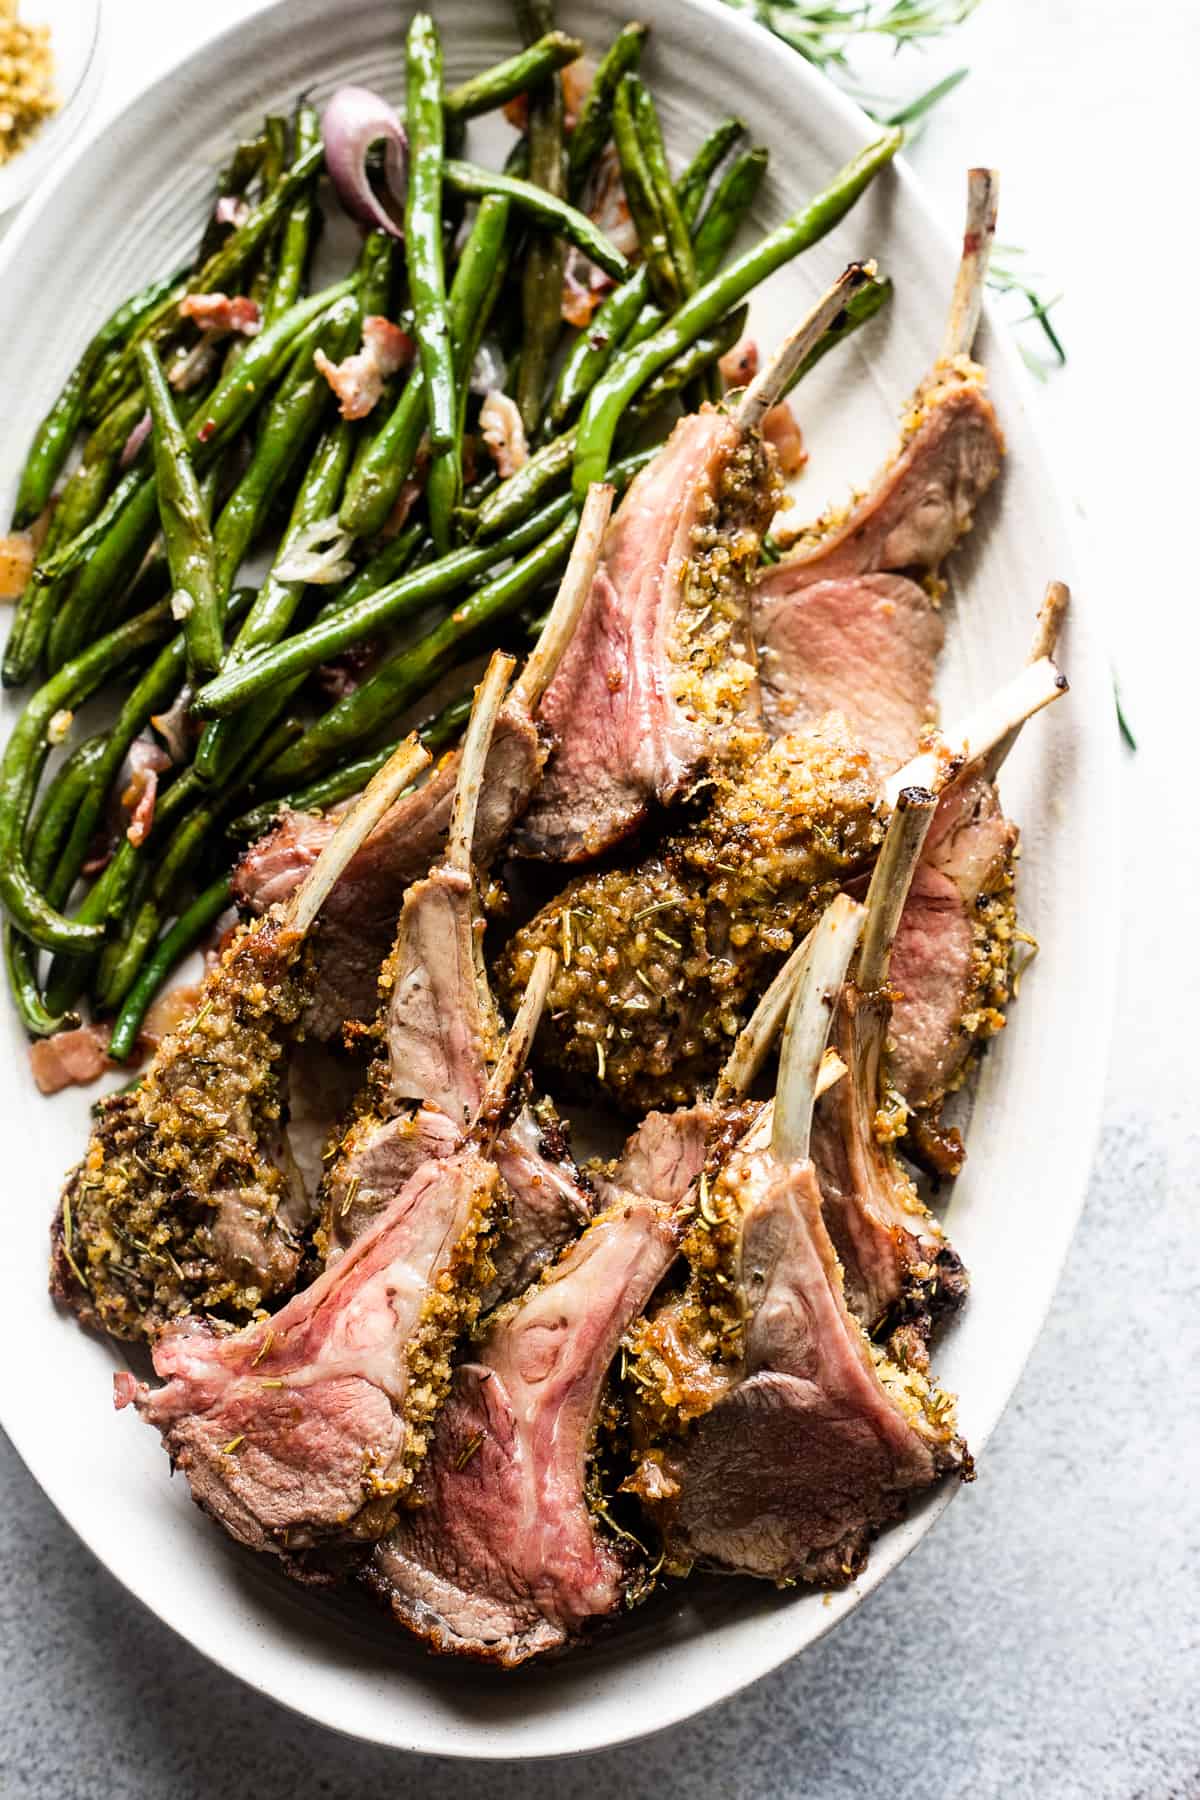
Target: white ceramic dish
x: 129, y: 206
x: 76, y: 39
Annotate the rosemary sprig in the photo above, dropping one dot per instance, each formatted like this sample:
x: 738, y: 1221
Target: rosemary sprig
x: 825, y: 33
x: 1004, y: 279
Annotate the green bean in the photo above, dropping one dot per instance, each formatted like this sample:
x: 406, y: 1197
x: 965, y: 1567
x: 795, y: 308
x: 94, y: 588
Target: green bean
x: 375, y: 274
x: 226, y: 409
x: 278, y: 598
x: 233, y: 181
x: 545, y: 209
x: 234, y: 687
x: 542, y: 273
x: 21, y: 969
x: 513, y: 499
x: 185, y: 527
x: 68, y: 689
x: 505, y: 80
x: 389, y: 561
x: 296, y: 238
x: 624, y: 316
x: 59, y: 807
x: 608, y: 400
x: 81, y: 498
x: 351, y: 777
x: 594, y: 344
x: 275, y: 132
x: 861, y: 306
x: 214, y: 275
x: 423, y: 226
x: 170, y: 950
x: 54, y: 436
x: 487, y: 243
x: 666, y: 205
x: 697, y: 359
x: 692, y: 185
x: 594, y: 124
x: 384, y: 461
x: 123, y: 957
x: 44, y: 839
x: 152, y: 692
x: 735, y: 195
x: 642, y: 199
x: 414, y: 670
x: 286, y: 432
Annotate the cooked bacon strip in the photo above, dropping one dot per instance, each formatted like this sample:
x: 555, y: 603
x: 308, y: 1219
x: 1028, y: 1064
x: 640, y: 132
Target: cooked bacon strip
x: 70, y: 1058
x: 358, y: 380
x: 739, y: 365
x: 16, y: 564
x: 779, y: 427
x: 222, y: 313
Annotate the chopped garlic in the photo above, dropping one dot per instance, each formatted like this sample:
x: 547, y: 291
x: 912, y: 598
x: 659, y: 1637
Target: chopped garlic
x: 59, y: 726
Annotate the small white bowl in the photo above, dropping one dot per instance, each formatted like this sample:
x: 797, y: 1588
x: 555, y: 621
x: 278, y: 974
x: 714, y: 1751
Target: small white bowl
x: 75, y: 31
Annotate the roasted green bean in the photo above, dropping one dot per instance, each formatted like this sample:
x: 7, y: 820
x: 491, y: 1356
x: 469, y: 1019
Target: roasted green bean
x: 423, y: 227
x: 594, y: 124
x: 25, y: 903
x: 619, y: 384
x: 185, y: 527
x: 505, y: 80
x: 544, y: 209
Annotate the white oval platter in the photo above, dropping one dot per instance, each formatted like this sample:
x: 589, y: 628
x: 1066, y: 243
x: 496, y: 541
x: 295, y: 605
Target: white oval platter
x: 129, y: 205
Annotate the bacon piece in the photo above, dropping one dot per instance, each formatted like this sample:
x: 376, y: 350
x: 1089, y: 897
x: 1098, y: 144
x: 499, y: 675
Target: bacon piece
x: 503, y: 433
x: 779, y: 427
x: 16, y: 564
x: 143, y: 765
x: 71, y: 1058
x: 222, y: 313
x: 739, y: 366
x: 358, y: 380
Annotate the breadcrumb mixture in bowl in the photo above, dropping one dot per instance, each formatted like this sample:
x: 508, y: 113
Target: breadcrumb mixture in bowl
x: 28, y: 91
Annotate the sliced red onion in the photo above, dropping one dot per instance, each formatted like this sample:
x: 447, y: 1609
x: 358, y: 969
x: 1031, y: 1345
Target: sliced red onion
x: 489, y: 369
x: 134, y: 441
x: 353, y: 120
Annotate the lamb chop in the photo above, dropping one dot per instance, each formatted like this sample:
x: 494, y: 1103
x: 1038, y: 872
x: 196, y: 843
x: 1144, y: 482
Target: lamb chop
x: 503, y: 1556
x: 661, y: 962
x: 952, y: 962
x: 441, y: 1034
x: 305, y: 1430
x: 181, y: 1202
x: 899, y: 1268
x: 841, y: 623
x: 812, y: 1437
x: 359, y: 920
x: 659, y: 680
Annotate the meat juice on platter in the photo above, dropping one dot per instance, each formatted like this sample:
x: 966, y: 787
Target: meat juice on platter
x: 706, y: 868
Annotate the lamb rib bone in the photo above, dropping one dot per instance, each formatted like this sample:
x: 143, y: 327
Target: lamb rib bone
x: 359, y: 922
x: 815, y: 1438
x: 503, y: 1558
x: 952, y: 965
x: 439, y: 1032
x: 305, y: 1430
x: 179, y: 1203
x: 846, y: 606
x: 659, y: 680
x: 898, y: 1265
